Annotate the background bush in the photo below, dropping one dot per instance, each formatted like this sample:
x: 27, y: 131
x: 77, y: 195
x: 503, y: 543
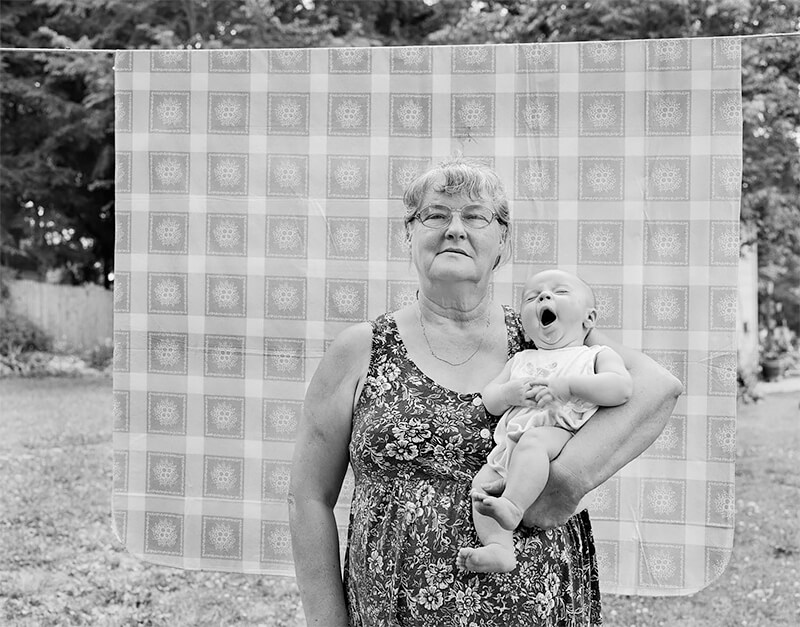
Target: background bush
x: 20, y: 335
x: 101, y: 356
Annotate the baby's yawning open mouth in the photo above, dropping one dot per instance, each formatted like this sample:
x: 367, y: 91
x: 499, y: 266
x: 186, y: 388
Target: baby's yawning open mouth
x: 547, y: 316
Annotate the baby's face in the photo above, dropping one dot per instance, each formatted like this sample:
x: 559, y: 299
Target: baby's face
x: 556, y: 309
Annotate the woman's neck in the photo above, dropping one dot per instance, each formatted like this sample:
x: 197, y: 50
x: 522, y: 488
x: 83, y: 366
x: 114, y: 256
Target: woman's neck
x: 461, y: 304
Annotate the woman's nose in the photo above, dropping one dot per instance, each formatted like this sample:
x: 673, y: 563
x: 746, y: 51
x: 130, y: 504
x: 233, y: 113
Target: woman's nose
x: 456, y: 227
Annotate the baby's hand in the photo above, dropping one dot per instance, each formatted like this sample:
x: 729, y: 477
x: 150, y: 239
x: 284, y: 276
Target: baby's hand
x: 555, y: 389
x: 521, y: 391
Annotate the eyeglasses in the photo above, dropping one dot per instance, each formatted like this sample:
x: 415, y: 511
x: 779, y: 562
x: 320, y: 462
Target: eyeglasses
x: 440, y: 216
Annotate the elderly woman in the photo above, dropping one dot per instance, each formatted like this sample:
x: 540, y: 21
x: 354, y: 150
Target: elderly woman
x: 397, y: 399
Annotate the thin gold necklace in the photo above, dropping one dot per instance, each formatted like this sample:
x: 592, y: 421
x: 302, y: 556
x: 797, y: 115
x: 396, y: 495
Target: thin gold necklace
x: 447, y: 361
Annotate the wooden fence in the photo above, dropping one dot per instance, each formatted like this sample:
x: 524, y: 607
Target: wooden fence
x: 82, y: 317
x: 77, y: 317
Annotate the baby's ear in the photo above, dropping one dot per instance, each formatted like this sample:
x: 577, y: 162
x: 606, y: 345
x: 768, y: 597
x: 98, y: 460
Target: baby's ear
x: 590, y: 319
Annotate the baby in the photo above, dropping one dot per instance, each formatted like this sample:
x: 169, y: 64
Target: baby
x: 544, y: 396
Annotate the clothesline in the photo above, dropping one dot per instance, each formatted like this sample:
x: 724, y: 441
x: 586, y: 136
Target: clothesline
x: 112, y: 50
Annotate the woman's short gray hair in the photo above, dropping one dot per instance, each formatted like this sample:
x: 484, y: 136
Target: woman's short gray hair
x: 458, y: 175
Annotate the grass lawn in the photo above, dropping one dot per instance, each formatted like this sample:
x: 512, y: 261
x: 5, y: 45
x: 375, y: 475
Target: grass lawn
x: 761, y: 585
x: 61, y: 564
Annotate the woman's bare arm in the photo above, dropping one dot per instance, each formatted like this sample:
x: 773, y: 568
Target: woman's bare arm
x: 494, y: 396
x: 320, y: 462
x: 612, y: 438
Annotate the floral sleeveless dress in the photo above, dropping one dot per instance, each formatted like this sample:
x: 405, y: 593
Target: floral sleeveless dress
x: 414, y: 449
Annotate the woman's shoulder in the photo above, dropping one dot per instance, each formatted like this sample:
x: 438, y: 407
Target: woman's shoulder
x: 352, y: 343
x: 358, y: 339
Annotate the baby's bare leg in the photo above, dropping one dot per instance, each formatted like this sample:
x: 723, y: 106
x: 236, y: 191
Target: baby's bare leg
x: 497, y: 553
x: 528, y: 470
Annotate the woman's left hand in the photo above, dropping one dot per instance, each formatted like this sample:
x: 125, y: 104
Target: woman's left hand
x: 556, y: 504
x: 558, y: 501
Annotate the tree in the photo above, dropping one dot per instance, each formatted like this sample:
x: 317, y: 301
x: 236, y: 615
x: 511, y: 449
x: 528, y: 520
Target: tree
x: 56, y: 143
x: 56, y: 140
x: 56, y: 159
x: 519, y: 21
x: 57, y: 166
x: 770, y: 93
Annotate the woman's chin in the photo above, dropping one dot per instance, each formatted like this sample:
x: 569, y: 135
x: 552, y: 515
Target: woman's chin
x: 459, y: 269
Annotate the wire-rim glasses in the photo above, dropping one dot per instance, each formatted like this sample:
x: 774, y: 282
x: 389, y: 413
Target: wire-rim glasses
x: 439, y: 216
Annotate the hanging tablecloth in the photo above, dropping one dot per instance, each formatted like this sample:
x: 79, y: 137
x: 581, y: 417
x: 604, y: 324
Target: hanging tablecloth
x: 259, y: 213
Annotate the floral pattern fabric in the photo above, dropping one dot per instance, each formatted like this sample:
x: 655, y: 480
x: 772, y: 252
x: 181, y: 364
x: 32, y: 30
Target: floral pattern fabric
x: 414, y: 449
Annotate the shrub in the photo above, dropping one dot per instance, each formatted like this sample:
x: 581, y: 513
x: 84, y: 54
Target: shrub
x: 27, y: 351
x: 22, y: 344
x: 20, y: 335
x: 101, y: 356
x: 40, y: 364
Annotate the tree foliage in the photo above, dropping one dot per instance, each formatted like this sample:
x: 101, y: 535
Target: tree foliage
x: 770, y: 210
x: 57, y: 165
x: 56, y: 141
x: 56, y: 157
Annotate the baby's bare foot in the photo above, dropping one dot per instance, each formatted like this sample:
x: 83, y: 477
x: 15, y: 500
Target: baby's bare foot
x: 493, y: 558
x: 507, y: 515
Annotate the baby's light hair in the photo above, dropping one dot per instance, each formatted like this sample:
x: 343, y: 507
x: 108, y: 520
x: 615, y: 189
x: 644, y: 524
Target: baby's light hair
x: 591, y: 300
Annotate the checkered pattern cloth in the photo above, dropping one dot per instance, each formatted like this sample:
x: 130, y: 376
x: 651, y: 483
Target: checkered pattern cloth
x: 259, y: 213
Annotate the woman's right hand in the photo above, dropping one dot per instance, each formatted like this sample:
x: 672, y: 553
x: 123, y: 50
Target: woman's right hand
x: 319, y: 466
